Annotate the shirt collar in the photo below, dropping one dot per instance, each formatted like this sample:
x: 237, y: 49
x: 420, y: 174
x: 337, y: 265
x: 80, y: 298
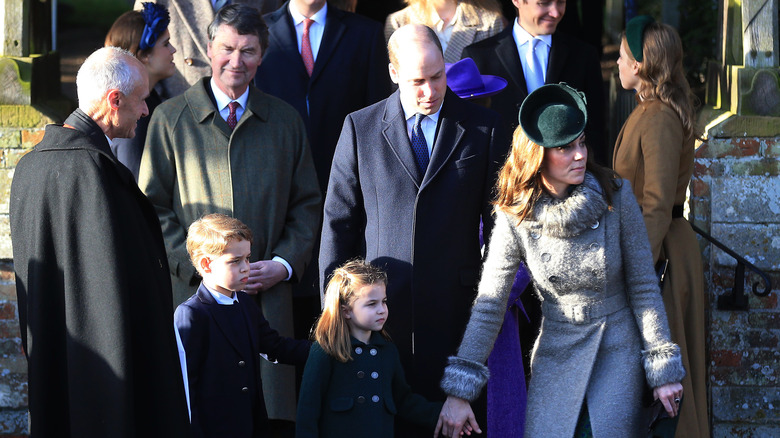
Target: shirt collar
x: 438, y: 23
x: 220, y: 298
x: 522, y: 36
x: 410, y: 114
x: 223, y: 99
x: 318, y: 17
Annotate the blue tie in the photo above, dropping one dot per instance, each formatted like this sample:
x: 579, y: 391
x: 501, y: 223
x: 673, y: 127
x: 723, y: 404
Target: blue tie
x: 419, y: 146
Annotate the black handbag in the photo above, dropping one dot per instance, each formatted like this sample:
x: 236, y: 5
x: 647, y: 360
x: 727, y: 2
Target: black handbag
x: 659, y: 424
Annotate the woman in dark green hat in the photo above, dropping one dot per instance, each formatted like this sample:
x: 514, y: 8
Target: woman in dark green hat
x: 654, y: 152
x: 604, y: 334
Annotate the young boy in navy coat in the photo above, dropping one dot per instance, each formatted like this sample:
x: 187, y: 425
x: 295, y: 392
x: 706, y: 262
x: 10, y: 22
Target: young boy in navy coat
x: 225, y: 335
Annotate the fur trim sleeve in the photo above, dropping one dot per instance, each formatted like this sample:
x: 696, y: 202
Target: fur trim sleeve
x: 663, y: 364
x: 464, y: 378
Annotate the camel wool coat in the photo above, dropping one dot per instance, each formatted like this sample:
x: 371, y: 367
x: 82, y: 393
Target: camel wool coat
x: 652, y: 153
x: 604, y: 334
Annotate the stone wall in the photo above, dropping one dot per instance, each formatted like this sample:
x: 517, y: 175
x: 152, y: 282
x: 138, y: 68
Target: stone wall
x: 735, y: 195
x: 14, y: 142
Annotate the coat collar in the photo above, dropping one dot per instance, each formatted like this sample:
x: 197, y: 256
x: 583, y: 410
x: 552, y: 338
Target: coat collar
x: 203, y: 108
x: 449, y: 134
x: 376, y: 339
x: 574, y: 214
x: 506, y: 51
x: 222, y: 318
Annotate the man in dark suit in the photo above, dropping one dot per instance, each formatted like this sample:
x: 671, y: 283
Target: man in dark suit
x: 560, y: 57
x: 412, y: 176
x: 337, y: 66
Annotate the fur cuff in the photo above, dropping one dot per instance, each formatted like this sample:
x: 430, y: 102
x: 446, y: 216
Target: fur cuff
x: 464, y: 378
x: 663, y: 365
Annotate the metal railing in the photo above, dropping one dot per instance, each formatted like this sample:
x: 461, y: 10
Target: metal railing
x: 737, y: 300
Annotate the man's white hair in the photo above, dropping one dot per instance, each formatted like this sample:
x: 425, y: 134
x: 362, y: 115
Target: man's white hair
x: 106, y: 69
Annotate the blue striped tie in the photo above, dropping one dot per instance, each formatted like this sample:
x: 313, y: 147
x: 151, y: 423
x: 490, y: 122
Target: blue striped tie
x: 419, y: 145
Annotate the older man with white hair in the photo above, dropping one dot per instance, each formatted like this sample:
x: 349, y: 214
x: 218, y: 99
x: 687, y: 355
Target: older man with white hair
x: 91, y: 274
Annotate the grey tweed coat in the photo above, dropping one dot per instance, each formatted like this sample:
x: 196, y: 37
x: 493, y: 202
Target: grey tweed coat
x: 604, y: 333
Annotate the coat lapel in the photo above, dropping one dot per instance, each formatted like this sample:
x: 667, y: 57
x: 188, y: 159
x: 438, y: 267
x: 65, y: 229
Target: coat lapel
x: 558, y: 54
x: 334, y: 30
x: 203, y: 14
x: 450, y: 132
x: 506, y: 51
x: 394, y: 131
x: 220, y: 318
x: 282, y: 35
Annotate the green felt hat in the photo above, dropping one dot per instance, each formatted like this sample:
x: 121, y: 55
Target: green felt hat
x: 635, y: 30
x: 553, y: 115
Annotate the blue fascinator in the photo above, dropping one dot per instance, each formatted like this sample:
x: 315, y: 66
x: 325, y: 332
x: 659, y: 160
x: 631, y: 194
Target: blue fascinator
x: 156, y: 20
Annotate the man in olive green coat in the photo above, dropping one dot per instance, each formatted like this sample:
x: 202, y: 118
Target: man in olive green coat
x: 225, y: 147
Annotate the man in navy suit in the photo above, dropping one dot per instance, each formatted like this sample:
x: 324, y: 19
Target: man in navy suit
x: 562, y: 58
x: 412, y: 176
x: 347, y: 59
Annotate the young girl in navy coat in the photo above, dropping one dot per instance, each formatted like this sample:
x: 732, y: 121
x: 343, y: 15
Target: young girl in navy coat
x: 353, y: 379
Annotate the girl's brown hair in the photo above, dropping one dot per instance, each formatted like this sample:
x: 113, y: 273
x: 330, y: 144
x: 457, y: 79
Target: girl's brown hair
x: 519, y: 183
x: 332, y: 331
x: 662, y: 76
x: 126, y: 33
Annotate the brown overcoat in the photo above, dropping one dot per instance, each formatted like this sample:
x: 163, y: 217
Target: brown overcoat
x: 652, y: 152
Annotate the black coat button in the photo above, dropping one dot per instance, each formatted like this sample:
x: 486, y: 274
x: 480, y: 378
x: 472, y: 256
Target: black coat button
x: 360, y: 374
x: 241, y: 363
x: 361, y: 399
x: 245, y: 389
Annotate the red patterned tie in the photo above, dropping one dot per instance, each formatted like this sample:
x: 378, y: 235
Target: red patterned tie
x: 308, y: 58
x: 231, y: 120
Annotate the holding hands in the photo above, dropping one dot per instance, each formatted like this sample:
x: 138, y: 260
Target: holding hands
x: 456, y: 418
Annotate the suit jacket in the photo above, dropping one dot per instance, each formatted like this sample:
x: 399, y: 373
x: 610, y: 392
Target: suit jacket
x: 189, y: 24
x: 424, y: 229
x: 221, y: 369
x: 94, y: 293
x: 350, y: 73
x: 464, y: 32
x: 571, y: 61
x: 260, y: 173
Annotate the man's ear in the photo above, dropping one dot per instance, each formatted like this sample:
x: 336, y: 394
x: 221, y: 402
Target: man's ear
x: 205, y: 264
x: 393, y: 73
x: 114, y: 98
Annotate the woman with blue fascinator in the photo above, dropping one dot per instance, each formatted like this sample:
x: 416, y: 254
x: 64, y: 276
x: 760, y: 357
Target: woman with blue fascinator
x: 578, y: 229
x: 144, y: 34
x: 654, y: 151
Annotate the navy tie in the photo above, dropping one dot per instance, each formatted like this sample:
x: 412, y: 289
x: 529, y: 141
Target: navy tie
x: 419, y: 146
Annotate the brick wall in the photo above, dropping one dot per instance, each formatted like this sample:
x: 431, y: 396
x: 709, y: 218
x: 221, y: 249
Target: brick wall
x: 14, y: 142
x: 735, y: 195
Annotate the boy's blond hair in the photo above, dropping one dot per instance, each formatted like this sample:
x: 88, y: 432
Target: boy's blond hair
x: 211, y: 234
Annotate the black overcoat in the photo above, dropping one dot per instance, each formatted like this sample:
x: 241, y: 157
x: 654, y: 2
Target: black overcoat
x: 94, y: 293
x: 424, y: 229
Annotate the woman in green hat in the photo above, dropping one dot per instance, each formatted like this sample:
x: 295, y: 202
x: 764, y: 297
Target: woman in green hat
x: 604, y: 335
x: 654, y: 152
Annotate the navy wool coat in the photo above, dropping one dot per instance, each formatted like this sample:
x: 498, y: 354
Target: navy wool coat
x: 361, y: 396
x: 219, y: 370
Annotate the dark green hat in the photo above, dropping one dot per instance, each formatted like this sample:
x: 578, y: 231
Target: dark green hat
x: 635, y: 30
x: 553, y: 115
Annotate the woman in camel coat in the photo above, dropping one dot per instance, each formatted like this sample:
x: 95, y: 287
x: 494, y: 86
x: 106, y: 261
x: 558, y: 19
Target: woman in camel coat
x: 654, y: 151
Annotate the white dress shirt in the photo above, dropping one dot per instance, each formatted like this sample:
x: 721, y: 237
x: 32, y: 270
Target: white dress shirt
x: 524, y: 41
